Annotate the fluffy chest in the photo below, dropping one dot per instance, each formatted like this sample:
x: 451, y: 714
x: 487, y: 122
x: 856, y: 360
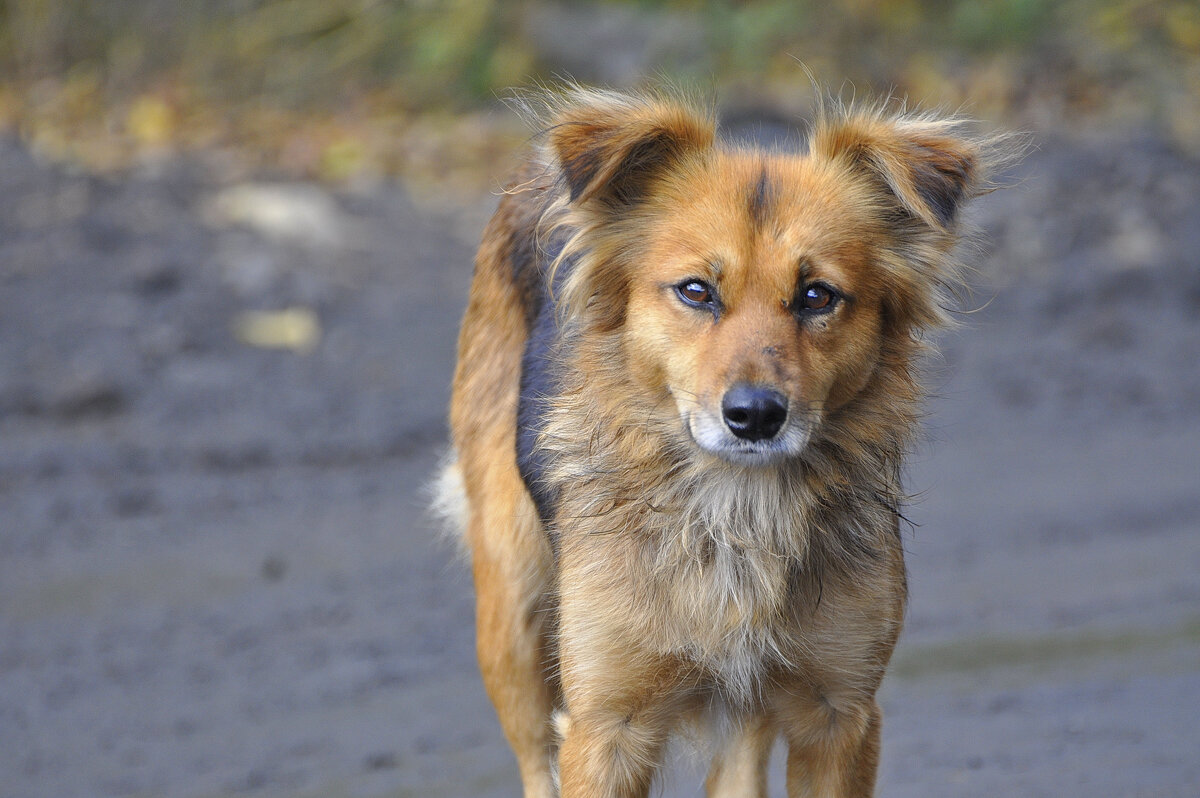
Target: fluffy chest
x: 728, y: 602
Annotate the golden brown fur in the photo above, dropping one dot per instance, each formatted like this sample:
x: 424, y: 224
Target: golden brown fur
x: 653, y: 556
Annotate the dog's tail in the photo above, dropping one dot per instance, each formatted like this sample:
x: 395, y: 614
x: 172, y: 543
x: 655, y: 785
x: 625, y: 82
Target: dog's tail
x: 448, y: 502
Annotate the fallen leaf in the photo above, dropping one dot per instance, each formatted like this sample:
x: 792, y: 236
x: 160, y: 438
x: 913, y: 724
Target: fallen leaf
x: 296, y: 329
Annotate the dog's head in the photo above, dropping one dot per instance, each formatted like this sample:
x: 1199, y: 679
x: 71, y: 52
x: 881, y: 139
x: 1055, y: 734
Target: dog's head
x: 757, y: 294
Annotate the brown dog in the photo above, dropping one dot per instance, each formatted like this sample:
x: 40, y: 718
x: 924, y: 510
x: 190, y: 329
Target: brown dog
x: 685, y: 387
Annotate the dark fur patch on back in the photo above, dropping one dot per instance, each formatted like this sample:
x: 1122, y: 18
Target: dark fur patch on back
x: 539, y: 384
x: 522, y: 254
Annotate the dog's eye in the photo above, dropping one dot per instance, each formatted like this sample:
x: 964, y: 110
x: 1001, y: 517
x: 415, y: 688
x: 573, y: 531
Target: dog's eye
x: 695, y: 292
x: 817, y: 298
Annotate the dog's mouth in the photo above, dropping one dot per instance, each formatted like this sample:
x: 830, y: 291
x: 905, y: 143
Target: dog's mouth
x: 713, y: 435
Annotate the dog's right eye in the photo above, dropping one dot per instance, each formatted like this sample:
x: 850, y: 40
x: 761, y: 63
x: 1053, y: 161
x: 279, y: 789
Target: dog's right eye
x: 695, y: 292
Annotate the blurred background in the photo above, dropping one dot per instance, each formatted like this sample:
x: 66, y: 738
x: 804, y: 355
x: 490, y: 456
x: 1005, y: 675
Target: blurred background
x: 336, y: 89
x: 235, y: 242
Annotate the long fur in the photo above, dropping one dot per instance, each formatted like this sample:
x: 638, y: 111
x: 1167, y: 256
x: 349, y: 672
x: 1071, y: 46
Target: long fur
x: 774, y: 587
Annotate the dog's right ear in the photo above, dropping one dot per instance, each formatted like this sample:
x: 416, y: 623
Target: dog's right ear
x: 610, y: 146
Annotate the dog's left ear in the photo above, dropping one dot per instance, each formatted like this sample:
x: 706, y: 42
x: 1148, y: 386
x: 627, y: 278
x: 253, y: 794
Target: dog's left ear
x: 930, y: 167
x: 610, y: 146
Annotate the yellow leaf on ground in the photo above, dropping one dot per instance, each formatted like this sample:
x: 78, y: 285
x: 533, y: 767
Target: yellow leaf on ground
x: 297, y: 329
x: 151, y: 121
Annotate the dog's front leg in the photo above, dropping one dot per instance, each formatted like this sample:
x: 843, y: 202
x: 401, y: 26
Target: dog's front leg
x: 622, y: 702
x: 614, y: 736
x: 606, y: 755
x: 834, y: 754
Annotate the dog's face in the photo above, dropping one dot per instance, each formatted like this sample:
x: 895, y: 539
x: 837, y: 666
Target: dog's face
x: 755, y: 307
x: 754, y: 293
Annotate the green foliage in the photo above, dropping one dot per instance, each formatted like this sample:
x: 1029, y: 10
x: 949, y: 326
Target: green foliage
x: 75, y: 73
x: 289, y: 50
x: 992, y: 24
x: 455, y: 52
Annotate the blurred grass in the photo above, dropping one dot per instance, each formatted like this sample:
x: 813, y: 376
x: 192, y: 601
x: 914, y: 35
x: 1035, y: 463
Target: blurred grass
x: 344, y: 88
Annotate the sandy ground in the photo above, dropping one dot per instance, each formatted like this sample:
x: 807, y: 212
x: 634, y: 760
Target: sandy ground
x: 217, y: 577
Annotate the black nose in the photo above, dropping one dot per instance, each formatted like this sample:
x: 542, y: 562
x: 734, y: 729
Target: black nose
x: 753, y: 412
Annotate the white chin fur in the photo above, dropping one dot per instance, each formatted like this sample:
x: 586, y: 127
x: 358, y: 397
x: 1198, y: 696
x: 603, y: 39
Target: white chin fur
x: 714, y: 437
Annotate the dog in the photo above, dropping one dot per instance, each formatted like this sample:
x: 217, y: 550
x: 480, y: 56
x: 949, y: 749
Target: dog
x: 687, y: 378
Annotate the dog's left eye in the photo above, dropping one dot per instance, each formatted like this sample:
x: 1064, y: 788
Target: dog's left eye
x: 695, y: 292
x: 817, y: 298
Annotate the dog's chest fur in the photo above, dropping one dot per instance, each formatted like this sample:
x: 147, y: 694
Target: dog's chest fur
x: 709, y: 563
x: 732, y: 602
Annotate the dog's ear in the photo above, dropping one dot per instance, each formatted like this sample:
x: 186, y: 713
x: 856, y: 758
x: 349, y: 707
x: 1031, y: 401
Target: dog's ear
x: 929, y: 167
x: 610, y: 147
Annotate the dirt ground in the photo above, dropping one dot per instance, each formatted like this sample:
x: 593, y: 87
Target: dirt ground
x: 217, y: 576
